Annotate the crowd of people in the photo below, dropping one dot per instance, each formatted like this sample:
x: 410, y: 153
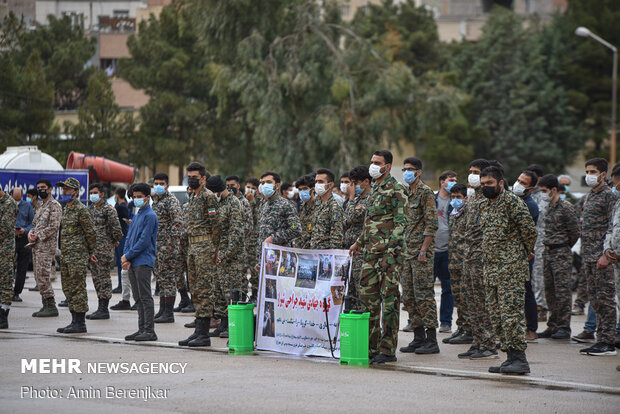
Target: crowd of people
x: 503, y: 254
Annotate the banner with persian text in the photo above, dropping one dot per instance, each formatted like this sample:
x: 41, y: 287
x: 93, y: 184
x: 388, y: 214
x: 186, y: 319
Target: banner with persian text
x: 293, y: 284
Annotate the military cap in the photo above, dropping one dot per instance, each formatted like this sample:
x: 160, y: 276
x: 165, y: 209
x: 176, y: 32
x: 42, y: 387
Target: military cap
x: 69, y: 182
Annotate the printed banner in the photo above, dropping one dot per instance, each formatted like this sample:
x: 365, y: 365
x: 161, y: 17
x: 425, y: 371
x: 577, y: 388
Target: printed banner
x: 293, y: 284
x: 27, y: 179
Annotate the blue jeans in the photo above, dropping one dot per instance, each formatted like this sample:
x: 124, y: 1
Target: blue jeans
x: 590, y: 325
x: 440, y: 270
x: 118, y: 253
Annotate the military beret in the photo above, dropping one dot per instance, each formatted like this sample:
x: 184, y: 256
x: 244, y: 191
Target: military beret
x: 216, y: 184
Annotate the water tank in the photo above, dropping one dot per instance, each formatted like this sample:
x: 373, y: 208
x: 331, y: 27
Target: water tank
x: 28, y: 158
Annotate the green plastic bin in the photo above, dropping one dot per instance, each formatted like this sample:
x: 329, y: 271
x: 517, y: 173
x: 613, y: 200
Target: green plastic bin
x: 354, y: 338
x: 241, y: 328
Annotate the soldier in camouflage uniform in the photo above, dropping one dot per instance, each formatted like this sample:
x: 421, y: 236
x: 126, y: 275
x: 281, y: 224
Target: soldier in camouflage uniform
x: 44, y: 234
x: 381, y: 243
x: 234, y: 186
x: 8, y: 221
x: 417, y: 276
x: 509, y: 236
x: 597, y: 216
x: 78, y: 242
x: 204, y: 233
x: 256, y: 202
x: 358, y: 193
x: 562, y: 230
x: 231, y: 264
x: 611, y: 246
x: 170, y: 228
x: 306, y: 212
x: 327, y: 230
x: 109, y: 234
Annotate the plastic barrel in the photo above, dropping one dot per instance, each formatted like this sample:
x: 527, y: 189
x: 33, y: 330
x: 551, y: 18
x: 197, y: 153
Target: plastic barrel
x: 241, y: 328
x: 354, y: 338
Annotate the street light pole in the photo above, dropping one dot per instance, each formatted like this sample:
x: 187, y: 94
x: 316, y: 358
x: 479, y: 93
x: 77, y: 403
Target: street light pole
x: 584, y: 32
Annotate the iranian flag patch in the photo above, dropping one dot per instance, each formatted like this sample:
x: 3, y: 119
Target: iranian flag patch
x: 211, y: 211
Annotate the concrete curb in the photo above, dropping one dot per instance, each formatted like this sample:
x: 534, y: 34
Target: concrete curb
x: 514, y: 379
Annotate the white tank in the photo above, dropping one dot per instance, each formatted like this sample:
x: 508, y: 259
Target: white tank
x: 28, y: 158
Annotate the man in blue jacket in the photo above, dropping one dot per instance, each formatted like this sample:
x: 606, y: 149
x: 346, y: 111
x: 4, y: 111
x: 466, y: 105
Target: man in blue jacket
x: 139, y: 259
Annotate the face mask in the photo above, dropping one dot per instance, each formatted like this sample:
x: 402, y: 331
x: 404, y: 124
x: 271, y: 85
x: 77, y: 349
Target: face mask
x: 65, y: 198
x: 250, y: 190
x: 456, y: 203
x: 138, y: 202
x: 28, y: 200
x: 290, y: 194
x: 567, y: 188
x: 546, y: 197
x: 233, y: 190
x: 218, y: 197
x: 94, y: 198
x: 304, y: 195
x: 449, y: 186
x: 490, y: 192
x: 343, y: 188
x: 409, y: 176
x: 518, y: 189
x: 563, y: 196
x: 470, y: 193
x: 320, y: 189
x: 374, y: 171
x: 42, y: 194
x: 591, y: 180
x: 613, y: 190
x: 267, y: 189
x: 159, y: 189
x: 358, y: 190
x: 474, y: 180
x: 193, y: 182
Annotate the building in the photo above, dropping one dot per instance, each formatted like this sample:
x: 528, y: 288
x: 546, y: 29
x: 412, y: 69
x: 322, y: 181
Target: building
x: 22, y: 8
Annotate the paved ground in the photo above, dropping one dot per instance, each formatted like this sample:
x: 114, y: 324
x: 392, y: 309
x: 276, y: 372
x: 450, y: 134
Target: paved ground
x: 561, y: 379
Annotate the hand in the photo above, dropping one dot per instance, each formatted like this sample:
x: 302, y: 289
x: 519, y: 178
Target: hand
x: 92, y: 259
x: 350, y: 191
x: 602, y: 262
x: 126, y: 265
x: 422, y: 257
x: 530, y: 256
x: 124, y: 259
x: 217, y: 259
x: 269, y: 239
x: 32, y: 237
x: 355, y: 249
x: 612, y: 257
x: 257, y: 267
x: 249, y: 196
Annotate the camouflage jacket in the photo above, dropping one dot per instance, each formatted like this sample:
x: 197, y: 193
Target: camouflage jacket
x: 385, y: 221
x: 252, y: 240
x: 473, y: 232
x: 246, y: 210
x: 612, y: 238
x: 354, y: 217
x: 107, y: 227
x: 171, y: 221
x: 8, y: 220
x: 77, y: 235
x: 597, y: 214
x: 562, y: 225
x: 327, y: 230
x: 508, y: 231
x: 46, y: 222
x: 231, y: 222
x: 457, y: 240
x: 279, y: 220
x: 306, y: 218
x: 421, y: 211
x: 202, y: 219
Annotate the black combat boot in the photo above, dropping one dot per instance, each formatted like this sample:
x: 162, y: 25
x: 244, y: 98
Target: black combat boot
x: 79, y: 326
x: 419, y: 337
x: 430, y: 345
x: 519, y: 364
x: 508, y: 361
x: 464, y: 338
x: 4, y: 318
x: 62, y: 330
x: 189, y: 308
x: 185, y: 301
x: 185, y: 342
x: 162, y: 306
x: 202, y: 329
x: 224, y: 324
x: 167, y: 316
x: 102, y: 311
x: 219, y: 329
x: 454, y: 335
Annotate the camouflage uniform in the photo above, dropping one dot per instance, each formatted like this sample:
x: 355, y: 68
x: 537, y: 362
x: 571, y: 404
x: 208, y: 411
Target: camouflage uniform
x: 538, y: 280
x: 203, y: 232
x: 474, y: 290
x: 562, y: 229
x: 612, y: 242
x: 354, y: 217
x: 597, y: 216
x: 252, y: 244
x: 306, y: 218
x: 8, y: 220
x: 327, y: 230
x: 78, y: 241
x: 456, y: 248
x: 382, y: 242
x: 46, y: 222
x: 167, y: 267
x: 417, y: 277
x: 181, y: 282
x: 231, y: 271
x: 248, y: 226
x: 509, y: 236
x: 108, y: 230
x: 279, y: 220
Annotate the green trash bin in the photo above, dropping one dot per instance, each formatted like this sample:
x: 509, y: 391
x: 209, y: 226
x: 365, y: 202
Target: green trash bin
x: 241, y: 328
x: 354, y: 338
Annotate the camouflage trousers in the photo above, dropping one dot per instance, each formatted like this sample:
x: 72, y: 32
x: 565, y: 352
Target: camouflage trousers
x: 42, y: 258
x: 557, y: 272
x: 167, y: 271
x: 73, y: 269
x: 181, y: 281
x: 418, y: 283
x: 582, y: 289
x: 379, y: 287
x: 354, y: 281
x: 458, y: 292
x: 251, y: 263
x: 505, y: 301
x: 602, y: 292
x: 230, y: 276
x: 201, y: 274
x: 7, y: 256
x: 100, y: 272
x: 475, y: 298
x: 538, y: 280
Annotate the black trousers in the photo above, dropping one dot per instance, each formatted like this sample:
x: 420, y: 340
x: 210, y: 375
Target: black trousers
x: 140, y: 280
x: 23, y: 260
x: 531, y: 309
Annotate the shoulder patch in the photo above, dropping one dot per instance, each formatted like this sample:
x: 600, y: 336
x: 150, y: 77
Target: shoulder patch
x: 335, y: 216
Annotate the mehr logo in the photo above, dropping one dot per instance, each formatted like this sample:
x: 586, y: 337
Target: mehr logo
x: 51, y: 366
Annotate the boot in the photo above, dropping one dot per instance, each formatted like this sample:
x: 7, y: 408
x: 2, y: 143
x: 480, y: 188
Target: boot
x: 121, y: 305
x: 202, y: 328
x: 219, y: 329
x: 419, y: 338
x: 508, y: 361
x: 185, y: 342
x: 185, y: 301
x: 519, y: 364
x: 224, y: 324
x: 456, y: 333
x: 48, y: 309
x: 189, y: 308
x: 191, y: 324
x: 79, y: 326
x: 464, y: 338
x: 162, y: 306
x: 101, y: 312
x: 132, y: 337
x: 4, y: 318
x: 146, y: 336
x: 63, y: 304
x: 167, y: 316
x: 62, y: 330
x: 430, y: 345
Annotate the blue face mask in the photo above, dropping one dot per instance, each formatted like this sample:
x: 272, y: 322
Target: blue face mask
x: 449, y: 186
x: 304, y: 195
x: 358, y: 191
x: 268, y: 190
x: 28, y: 200
x: 94, y: 198
x: 567, y: 188
x: 65, y: 198
x: 409, y: 176
x: 138, y: 202
x: 616, y: 192
x: 562, y: 196
x: 159, y: 189
x: 456, y: 203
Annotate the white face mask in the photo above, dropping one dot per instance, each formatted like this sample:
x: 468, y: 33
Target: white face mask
x: 518, y: 189
x: 374, y: 171
x: 546, y: 197
x: 290, y: 194
x: 470, y: 193
x: 591, y: 180
x: 250, y: 190
x: 343, y: 188
x: 320, y: 189
x: 474, y: 180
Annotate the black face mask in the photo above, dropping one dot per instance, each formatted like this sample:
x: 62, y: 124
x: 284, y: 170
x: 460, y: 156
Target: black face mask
x: 490, y: 192
x: 233, y: 190
x: 193, y: 183
x: 42, y: 194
